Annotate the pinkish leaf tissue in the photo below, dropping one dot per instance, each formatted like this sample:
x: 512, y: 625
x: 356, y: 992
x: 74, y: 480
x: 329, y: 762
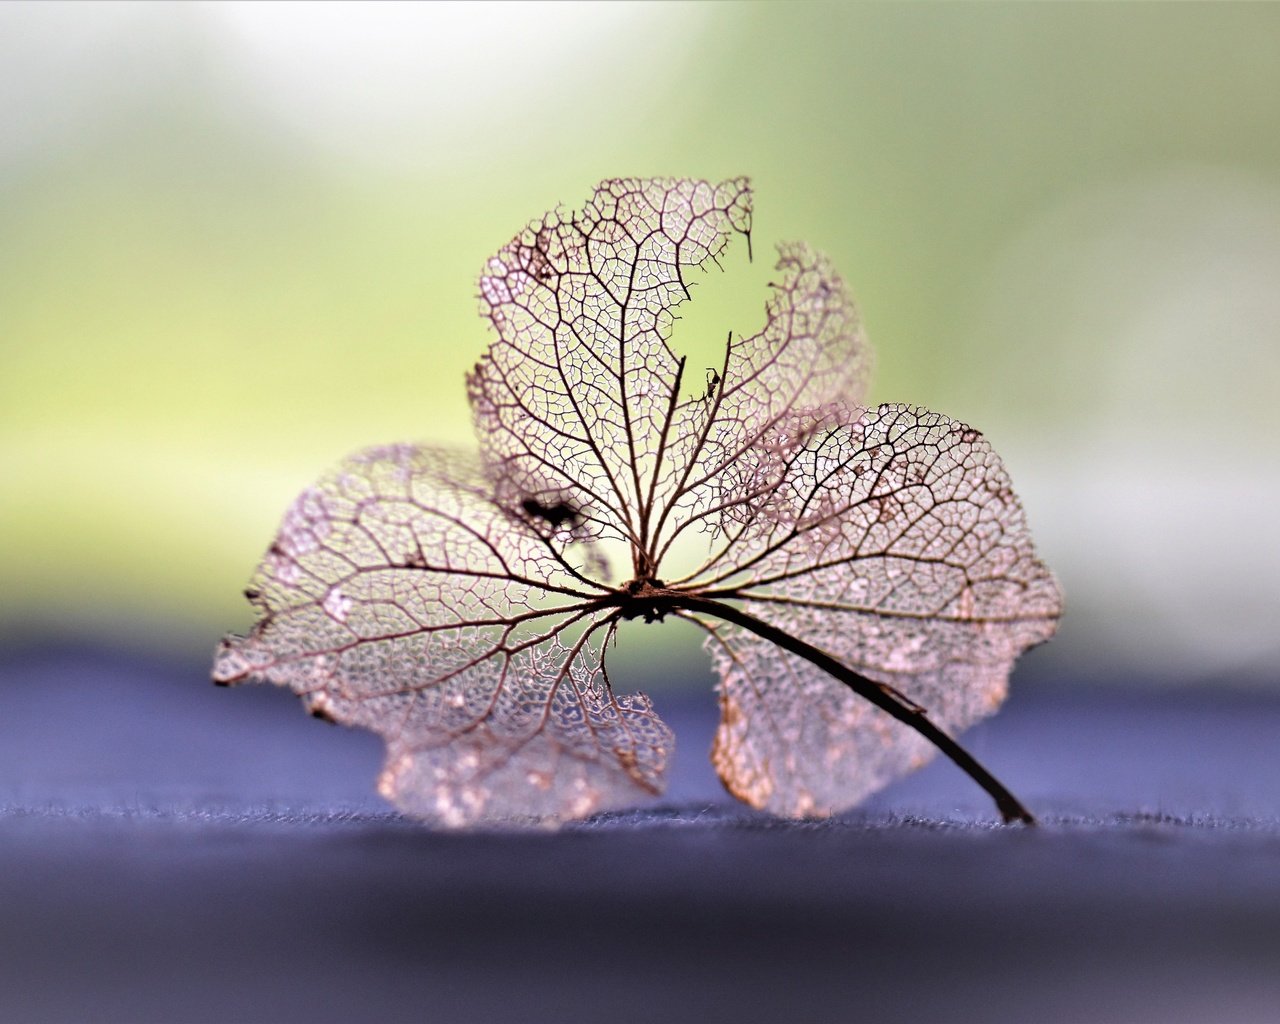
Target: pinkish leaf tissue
x: 865, y: 576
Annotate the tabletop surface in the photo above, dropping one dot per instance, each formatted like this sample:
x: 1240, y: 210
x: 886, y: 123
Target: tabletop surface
x: 171, y: 851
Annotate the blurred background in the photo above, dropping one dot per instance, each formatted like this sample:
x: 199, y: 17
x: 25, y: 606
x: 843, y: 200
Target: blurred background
x: 238, y: 241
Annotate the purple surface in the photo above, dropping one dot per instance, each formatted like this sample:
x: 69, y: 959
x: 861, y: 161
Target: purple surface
x: 171, y: 851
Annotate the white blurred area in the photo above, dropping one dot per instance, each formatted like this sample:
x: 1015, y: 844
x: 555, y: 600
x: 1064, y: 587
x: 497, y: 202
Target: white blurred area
x: 366, y: 78
x: 1142, y: 326
x: 419, y: 86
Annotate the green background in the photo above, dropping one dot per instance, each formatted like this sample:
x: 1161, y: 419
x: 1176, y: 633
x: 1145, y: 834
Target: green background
x: 238, y: 242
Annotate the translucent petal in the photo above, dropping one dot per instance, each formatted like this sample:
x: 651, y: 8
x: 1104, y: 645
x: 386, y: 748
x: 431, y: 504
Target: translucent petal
x: 892, y: 540
x: 572, y: 402
x: 401, y: 598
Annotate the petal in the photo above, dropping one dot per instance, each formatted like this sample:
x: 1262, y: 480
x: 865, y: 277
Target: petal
x: 892, y: 540
x: 811, y: 352
x: 574, y: 397
x: 400, y: 597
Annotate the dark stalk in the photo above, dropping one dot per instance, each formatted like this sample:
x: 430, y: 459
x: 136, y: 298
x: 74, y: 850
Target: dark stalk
x: 656, y: 602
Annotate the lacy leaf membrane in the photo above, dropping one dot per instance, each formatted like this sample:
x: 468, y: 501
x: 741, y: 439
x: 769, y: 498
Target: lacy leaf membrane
x: 401, y: 598
x: 890, y: 539
x: 461, y: 605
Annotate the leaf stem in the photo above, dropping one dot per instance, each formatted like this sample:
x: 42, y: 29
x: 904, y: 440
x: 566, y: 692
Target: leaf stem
x: 884, y: 697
